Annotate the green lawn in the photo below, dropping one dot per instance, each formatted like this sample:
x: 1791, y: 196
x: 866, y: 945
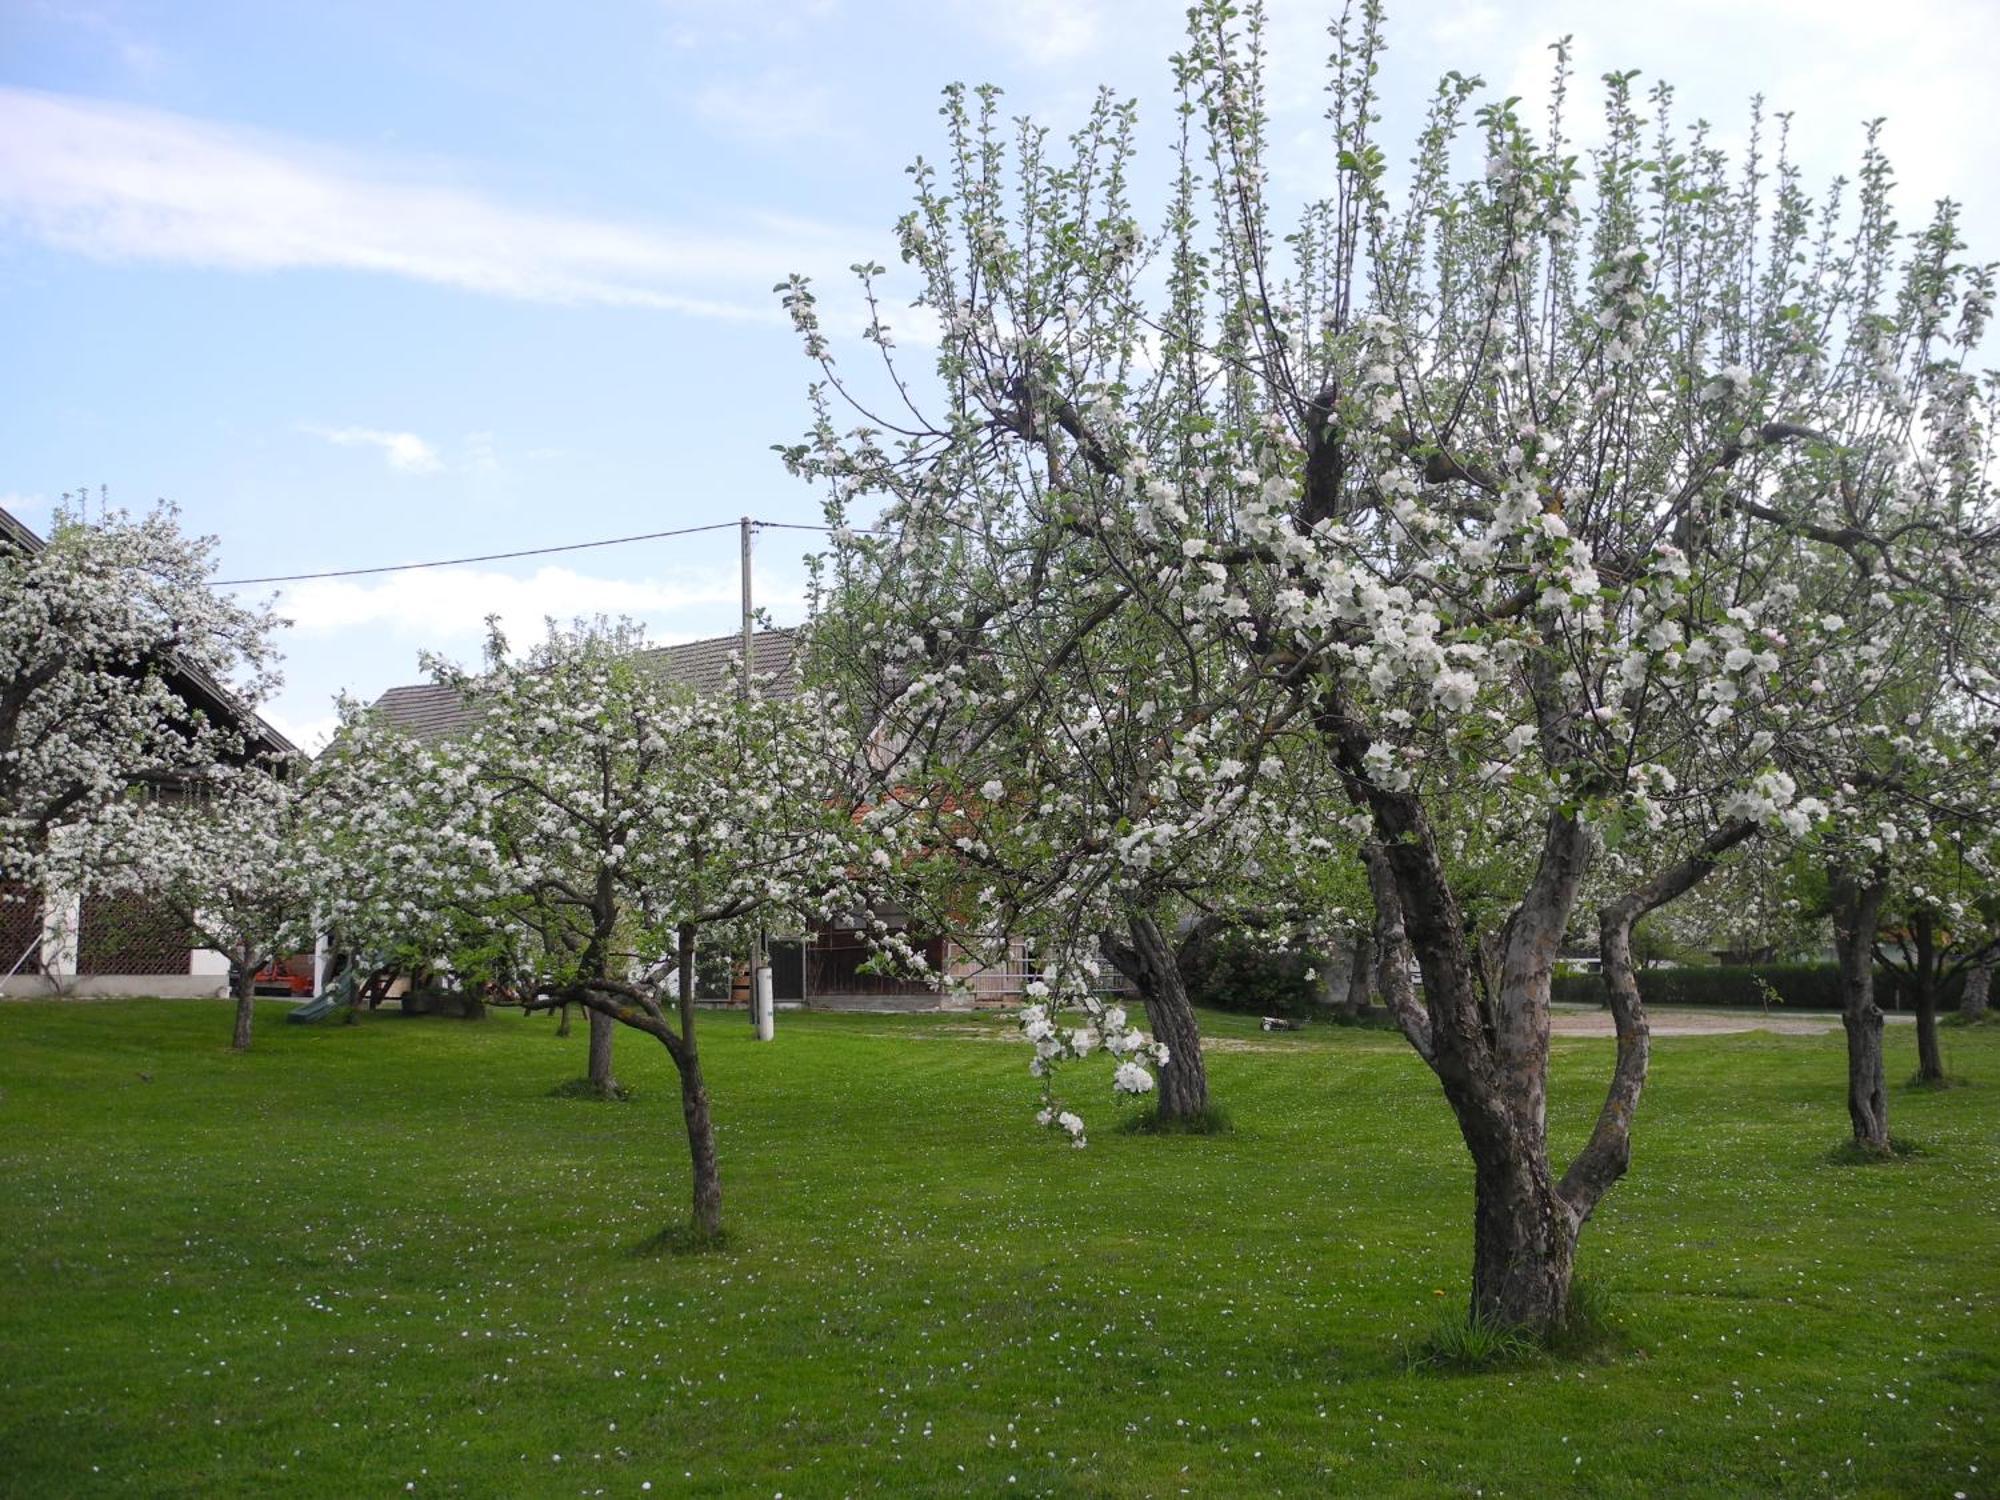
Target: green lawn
x: 381, y: 1259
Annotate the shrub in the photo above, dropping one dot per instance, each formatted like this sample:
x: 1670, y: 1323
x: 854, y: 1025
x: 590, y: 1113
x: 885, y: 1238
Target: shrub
x: 1797, y: 987
x: 1253, y: 975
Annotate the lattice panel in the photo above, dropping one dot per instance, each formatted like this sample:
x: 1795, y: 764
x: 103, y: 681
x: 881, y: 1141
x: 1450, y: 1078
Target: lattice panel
x: 833, y: 967
x: 131, y: 935
x: 20, y: 928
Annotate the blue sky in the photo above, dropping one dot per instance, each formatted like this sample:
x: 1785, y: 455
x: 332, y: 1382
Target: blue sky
x: 374, y: 283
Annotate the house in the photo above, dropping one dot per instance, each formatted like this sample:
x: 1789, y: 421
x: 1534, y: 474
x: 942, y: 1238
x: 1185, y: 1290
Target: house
x: 56, y: 942
x: 822, y: 968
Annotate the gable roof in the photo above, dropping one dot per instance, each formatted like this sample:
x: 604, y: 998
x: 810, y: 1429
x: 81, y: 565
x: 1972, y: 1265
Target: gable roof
x: 191, y: 682
x: 431, y: 710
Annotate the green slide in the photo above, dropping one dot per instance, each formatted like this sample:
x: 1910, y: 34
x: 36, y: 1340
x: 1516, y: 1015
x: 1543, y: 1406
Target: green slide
x: 329, y: 999
x: 314, y: 1010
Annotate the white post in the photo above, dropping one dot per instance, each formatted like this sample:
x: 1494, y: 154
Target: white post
x: 762, y: 1012
x: 320, y: 956
x: 62, y: 923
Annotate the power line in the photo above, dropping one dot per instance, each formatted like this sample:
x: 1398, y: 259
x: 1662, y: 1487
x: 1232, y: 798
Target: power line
x: 453, y: 562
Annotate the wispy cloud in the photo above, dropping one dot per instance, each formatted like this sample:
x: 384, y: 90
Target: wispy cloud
x: 1044, y: 32
x: 121, y: 183
x: 32, y: 509
x: 137, y: 53
x: 779, y: 106
x: 702, y: 24
x: 406, y: 452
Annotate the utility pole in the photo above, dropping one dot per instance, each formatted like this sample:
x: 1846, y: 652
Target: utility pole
x: 763, y: 1017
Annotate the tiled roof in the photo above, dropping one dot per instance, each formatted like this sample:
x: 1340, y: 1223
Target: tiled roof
x: 430, y: 711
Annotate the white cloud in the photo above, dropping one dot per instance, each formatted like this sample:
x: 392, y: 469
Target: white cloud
x: 405, y: 451
x: 310, y: 732
x: 481, y: 456
x: 33, y: 510
x: 707, y: 24
x: 450, y: 605
x: 1045, y: 32
x: 139, y: 55
x: 127, y: 184
x: 774, y: 107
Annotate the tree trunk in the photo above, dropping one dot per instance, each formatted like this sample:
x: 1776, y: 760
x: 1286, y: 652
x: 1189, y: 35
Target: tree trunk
x: 1523, y: 1242
x: 1150, y: 964
x: 701, y: 1151
x: 1978, y: 984
x: 1494, y: 1067
x: 602, y: 1029
x: 1360, y: 976
x: 1484, y: 1030
x: 246, y: 1005
x: 1184, y: 1076
x: 694, y: 1105
x: 1930, y: 1057
x: 1391, y: 942
x: 1857, y: 912
x: 562, y: 1023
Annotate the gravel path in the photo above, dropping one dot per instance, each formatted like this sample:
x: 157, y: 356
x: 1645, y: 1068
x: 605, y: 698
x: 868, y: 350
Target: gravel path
x: 1565, y: 1022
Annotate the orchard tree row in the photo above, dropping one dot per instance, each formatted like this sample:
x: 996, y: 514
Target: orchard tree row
x: 1473, y: 555
x: 1454, y: 566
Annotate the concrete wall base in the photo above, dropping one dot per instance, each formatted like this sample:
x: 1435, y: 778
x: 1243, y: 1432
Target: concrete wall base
x: 117, y: 986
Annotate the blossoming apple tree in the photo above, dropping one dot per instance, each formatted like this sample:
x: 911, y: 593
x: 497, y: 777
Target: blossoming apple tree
x: 1038, y: 779
x: 394, y: 892
x: 621, y: 820
x: 100, y: 629
x: 231, y: 861
x: 1558, y: 488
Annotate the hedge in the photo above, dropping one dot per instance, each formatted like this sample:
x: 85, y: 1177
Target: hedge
x: 1245, y: 972
x: 1797, y: 987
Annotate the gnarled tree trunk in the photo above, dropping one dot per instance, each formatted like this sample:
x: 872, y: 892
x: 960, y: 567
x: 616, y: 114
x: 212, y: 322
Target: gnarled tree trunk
x: 1149, y: 963
x: 1493, y: 1067
x: 1492, y: 1058
x: 1857, y: 912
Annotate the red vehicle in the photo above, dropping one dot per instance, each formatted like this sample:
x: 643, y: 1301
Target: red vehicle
x: 277, y: 978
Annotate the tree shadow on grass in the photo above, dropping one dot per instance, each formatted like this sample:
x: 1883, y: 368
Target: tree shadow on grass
x: 1212, y: 1121
x: 1918, y: 1084
x: 1851, y: 1153
x: 683, y: 1239
x: 584, y: 1089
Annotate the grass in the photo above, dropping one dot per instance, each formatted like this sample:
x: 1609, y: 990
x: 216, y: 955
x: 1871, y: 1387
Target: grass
x: 590, y: 1093
x: 1461, y: 1341
x: 1149, y: 1121
x: 383, y: 1260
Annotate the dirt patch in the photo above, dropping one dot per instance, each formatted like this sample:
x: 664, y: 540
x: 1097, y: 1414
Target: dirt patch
x: 1699, y: 1023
